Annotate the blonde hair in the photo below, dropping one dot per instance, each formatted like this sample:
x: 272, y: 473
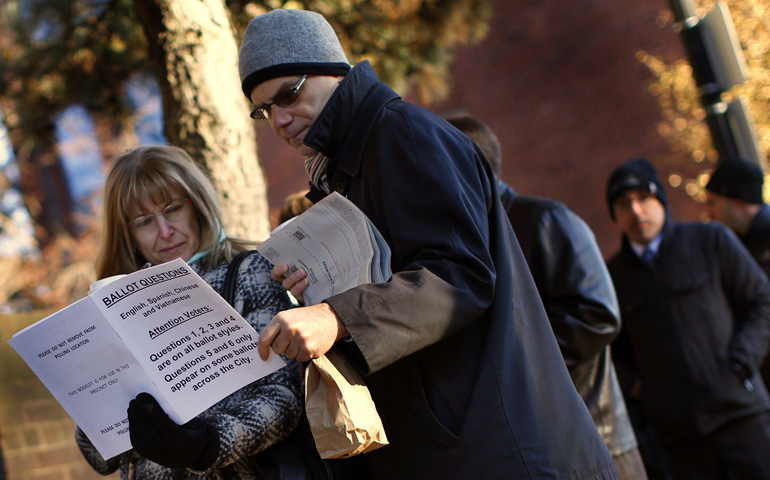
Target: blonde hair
x: 149, y: 174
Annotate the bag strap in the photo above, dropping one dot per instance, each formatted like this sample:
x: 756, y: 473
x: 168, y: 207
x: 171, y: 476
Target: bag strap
x: 232, y: 275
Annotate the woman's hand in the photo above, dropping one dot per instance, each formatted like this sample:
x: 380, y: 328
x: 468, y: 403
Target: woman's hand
x: 156, y: 437
x: 295, y: 282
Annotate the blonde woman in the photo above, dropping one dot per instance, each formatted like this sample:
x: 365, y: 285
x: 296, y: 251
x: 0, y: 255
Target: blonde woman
x: 160, y: 205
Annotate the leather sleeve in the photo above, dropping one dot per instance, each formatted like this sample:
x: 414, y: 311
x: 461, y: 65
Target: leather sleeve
x: 574, y: 284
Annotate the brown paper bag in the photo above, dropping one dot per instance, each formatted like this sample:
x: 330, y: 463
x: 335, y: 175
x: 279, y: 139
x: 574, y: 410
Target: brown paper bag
x: 340, y: 410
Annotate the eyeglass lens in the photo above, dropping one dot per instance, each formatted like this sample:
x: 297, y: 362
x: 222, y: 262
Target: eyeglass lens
x: 284, y: 98
x: 174, y: 211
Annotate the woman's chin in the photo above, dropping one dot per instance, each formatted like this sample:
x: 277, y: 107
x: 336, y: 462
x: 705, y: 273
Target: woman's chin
x: 170, y: 257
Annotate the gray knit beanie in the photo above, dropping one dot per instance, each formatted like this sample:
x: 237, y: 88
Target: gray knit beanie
x: 289, y: 42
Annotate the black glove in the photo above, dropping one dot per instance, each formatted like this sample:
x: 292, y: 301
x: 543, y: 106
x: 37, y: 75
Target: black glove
x: 156, y: 437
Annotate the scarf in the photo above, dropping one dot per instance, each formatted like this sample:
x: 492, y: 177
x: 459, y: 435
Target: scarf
x: 315, y: 166
x: 203, y: 253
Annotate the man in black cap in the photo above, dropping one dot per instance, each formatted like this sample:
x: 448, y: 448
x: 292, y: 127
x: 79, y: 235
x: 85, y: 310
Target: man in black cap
x: 456, y: 349
x: 734, y: 197
x: 696, y: 322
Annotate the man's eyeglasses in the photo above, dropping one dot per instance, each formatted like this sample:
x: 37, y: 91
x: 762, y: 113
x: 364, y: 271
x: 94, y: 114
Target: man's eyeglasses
x: 174, y: 211
x: 284, y: 98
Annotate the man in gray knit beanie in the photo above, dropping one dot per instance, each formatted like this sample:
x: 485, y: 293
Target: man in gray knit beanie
x: 458, y: 354
x: 312, y: 48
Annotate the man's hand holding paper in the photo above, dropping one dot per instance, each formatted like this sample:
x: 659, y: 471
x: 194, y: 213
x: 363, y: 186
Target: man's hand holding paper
x: 295, y: 282
x: 340, y: 249
x: 303, y: 333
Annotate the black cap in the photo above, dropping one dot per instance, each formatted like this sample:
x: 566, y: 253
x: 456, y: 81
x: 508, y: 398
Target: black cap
x: 740, y: 179
x: 634, y: 174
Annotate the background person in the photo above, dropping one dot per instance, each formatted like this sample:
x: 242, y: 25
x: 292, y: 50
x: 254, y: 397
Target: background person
x: 734, y: 197
x: 160, y: 205
x: 696, y: 322
x: 578, y: 296
x: 456, y: 349
x: 293, y: 205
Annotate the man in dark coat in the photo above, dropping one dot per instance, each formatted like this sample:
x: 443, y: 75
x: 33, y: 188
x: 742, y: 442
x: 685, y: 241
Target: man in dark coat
x: 696, y: 323
x: 578, y: 296
x: 456, y: 348
x: 734, y: 197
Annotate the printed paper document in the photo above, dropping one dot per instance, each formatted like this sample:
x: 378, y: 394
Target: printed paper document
x: 335, y: 243
x: 161, y: 330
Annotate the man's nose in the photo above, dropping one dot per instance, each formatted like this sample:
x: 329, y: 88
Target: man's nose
x: 279, y: 117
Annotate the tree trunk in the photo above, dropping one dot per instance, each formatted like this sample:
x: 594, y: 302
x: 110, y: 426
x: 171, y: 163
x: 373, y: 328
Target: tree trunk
x: 43, y: 182
x: 194, y: 48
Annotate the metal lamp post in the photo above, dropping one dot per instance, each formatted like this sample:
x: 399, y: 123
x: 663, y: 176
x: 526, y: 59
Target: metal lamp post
x: 717, y: 62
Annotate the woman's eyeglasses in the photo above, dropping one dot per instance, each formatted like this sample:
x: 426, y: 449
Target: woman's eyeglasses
x: 174, y: 211
x: 284, y: 98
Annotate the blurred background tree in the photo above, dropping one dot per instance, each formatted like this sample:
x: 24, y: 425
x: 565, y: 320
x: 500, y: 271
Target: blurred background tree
x: 72, y: 71
x: 54, y: 55
x: 682, y: 123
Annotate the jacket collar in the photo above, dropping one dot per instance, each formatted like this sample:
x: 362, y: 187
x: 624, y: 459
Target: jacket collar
x: 342, y: 127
